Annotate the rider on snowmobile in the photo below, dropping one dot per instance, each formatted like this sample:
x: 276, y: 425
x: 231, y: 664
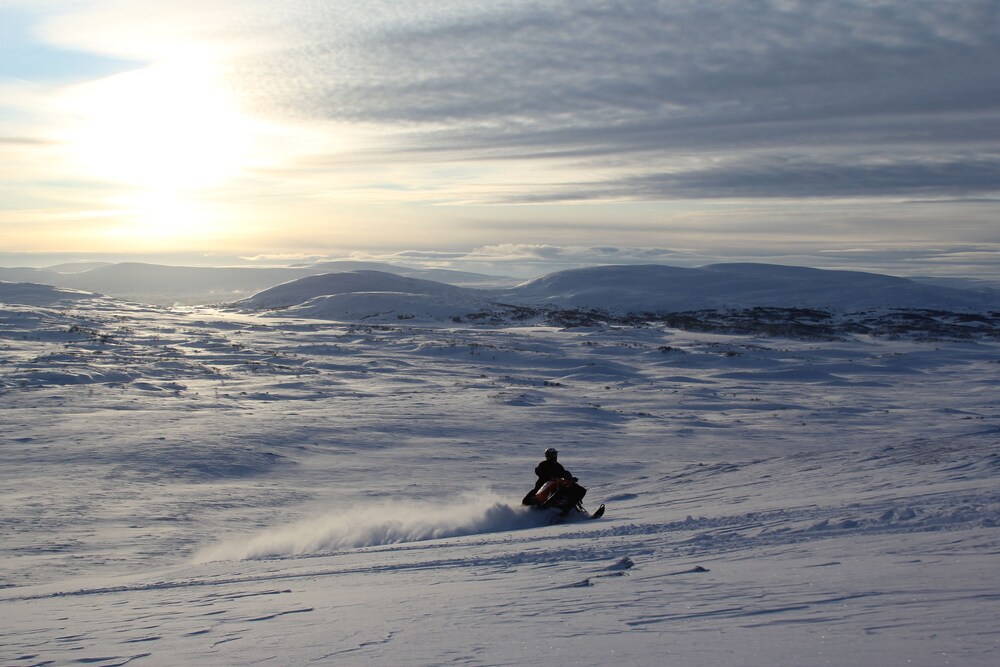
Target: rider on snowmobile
x: 548, y: 470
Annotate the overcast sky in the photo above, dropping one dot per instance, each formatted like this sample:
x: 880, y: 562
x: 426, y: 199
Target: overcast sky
x: 860, y: 134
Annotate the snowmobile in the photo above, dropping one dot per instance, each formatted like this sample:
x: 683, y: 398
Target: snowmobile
x: 563, y: 497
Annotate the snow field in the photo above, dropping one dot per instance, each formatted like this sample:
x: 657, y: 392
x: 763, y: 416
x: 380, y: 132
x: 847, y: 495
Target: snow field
x: 204, y: 487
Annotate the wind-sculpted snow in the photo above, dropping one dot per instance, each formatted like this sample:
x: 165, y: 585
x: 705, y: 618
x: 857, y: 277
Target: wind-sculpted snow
x: 380, y: 524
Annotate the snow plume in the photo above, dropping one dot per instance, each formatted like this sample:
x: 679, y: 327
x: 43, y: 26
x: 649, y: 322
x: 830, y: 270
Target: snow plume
x: 385, y: 523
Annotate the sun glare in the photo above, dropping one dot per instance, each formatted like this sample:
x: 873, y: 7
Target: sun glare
x: 171, y: 125
x: 174, y: 153
x: 159, y: 135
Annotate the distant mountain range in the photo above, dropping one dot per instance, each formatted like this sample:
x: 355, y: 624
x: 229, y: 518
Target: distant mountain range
x: 189, y: 285
x: 362, y: 292
x: 659, y: 288
x: 724, y: 298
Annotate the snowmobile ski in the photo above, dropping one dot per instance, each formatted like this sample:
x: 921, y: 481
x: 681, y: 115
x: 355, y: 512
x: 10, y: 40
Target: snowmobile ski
x: 598, y: 513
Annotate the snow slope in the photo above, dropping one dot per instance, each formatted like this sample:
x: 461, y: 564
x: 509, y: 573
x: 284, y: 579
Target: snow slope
x: 352, y: 282
x: 720, y: 286
x: 195, y: 486
x: 368, y: 295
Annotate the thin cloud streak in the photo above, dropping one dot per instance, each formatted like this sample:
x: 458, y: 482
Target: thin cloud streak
x: 772, y: 177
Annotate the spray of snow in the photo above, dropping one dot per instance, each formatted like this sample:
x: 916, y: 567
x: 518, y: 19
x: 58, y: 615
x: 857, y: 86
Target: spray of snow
x: 376, y: 525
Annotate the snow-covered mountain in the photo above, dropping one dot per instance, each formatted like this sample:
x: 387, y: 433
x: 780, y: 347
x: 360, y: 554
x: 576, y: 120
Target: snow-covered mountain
x: 369, y: 295
x: 613, y: 289
x: 650, y: 292
x: 352, y: 282
x: 658, y: 288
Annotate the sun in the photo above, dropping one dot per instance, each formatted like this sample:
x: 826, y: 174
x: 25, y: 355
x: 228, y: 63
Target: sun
x: 170, y: 125
x: 161, y: 135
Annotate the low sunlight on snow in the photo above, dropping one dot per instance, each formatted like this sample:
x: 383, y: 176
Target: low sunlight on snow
x: 212, y: 486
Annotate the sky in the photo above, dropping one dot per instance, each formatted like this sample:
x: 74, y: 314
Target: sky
x: 844, y: 134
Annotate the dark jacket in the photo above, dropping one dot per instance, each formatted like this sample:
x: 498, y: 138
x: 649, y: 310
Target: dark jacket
x: 547, y: 470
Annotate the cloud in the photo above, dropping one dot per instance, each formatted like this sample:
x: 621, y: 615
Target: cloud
x: 582, y: 78
x: 26, y: 141
x: 384, y: 111
x: 641, y: 95
x: 762, y: 177
x: 284, y: 257
x: 518, y: 67
x: 575, y: 254
x: 540, y: 253
x: 531, y: 260
x: 904, y: 258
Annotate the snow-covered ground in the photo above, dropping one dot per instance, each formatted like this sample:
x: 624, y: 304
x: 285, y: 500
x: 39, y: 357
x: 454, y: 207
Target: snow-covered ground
x: 198, y: 486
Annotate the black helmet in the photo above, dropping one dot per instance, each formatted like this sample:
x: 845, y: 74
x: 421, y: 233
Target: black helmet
x: 551, y: 453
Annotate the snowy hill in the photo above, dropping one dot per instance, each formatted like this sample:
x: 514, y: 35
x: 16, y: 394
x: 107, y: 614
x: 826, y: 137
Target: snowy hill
x: 613, y: 289
x: 657, y: 288
x: 352, y: 282
x: 773, y: 300
x: 373, y: 296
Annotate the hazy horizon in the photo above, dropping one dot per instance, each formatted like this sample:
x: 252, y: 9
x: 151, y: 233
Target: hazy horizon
x: 524, y: 261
